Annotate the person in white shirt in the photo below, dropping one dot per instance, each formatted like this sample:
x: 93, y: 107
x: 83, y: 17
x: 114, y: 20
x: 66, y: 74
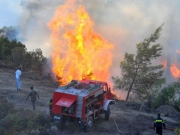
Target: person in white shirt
x: 18, y: 77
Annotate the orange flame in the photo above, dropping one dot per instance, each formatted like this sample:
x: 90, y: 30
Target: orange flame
x: 175, y: 71
x: 77, y: 50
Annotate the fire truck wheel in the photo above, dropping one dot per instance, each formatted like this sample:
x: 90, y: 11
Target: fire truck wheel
x: 89, y: 124
x: 107, y: 113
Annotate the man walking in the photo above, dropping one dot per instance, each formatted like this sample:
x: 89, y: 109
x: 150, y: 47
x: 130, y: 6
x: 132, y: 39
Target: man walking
x: 33, y: 95
x: 159, y: 124
x: 18, y: 77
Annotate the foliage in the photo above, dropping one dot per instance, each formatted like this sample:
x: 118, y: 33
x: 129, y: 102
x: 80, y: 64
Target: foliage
x: 33, y: 60
x: 168, y: 96
x: 17, y: 55
x: 138, y: 75
x: 36, y: 60
x: 16, y: 52
x: 6, y: 46
x: 15, y: 122
x: 177, y: 131
x: 5, y: 108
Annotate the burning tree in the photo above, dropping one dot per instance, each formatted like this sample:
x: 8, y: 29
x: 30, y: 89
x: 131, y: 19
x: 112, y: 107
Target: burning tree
x: 138, y: 73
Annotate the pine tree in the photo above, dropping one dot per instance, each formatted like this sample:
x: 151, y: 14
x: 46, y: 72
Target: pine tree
x: 138, y: 74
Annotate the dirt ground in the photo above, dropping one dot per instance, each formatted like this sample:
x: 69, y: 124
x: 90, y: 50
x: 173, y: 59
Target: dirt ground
x: 126, y: 119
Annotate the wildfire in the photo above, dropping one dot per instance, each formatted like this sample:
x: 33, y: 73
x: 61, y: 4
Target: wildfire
x: 175, y: 71
x: 77, y: 50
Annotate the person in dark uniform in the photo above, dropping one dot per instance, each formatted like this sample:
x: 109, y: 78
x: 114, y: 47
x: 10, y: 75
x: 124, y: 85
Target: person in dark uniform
x: 159, y: 124
x: 50, y: 109
x: 33, y: 95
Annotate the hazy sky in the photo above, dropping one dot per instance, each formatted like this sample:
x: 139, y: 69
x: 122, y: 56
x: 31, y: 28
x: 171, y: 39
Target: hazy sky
x: 10, y: 12
x: 122, y: 22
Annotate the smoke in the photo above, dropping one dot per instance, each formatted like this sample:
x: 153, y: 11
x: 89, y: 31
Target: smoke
x: 9, y: 32
x: 33, y: 23
x: 121, y: 22
x: 126, y: 23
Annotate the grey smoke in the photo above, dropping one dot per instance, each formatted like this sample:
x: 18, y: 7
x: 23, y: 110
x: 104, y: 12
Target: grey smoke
x: 121, y: 22
x: 128, y: 22
x: 9, y: 32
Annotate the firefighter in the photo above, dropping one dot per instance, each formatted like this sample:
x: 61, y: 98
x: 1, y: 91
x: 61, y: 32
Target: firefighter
x: 33, y: 95
x: 50, y: 109
x: 159, y: 124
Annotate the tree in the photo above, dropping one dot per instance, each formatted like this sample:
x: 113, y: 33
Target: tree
x: 137, y: 72
x: 17, y: 55
x: 33, y: 60
x: 7, y: 46
x: 167, y: 96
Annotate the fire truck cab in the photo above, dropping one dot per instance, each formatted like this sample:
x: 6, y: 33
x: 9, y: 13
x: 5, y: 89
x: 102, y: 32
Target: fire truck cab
x: 81, y: 101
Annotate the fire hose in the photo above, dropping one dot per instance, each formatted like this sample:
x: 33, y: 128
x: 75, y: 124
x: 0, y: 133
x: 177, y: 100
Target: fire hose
x: 167, y: 128
x: 117, y: 126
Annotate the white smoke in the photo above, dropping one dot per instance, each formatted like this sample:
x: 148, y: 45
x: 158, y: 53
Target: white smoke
x: 121, y: 22
x: 127, y: 22
x: 33, y: 24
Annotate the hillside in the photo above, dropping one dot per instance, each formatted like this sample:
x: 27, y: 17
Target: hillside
x: 126, y: 115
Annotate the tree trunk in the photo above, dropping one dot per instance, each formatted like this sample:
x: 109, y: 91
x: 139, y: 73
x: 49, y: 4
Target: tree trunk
x: 130, y: 88
x: 127, y: 97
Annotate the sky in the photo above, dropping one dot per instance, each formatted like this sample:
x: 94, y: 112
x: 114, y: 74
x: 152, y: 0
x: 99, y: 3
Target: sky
x: 121, y: 22
x: 10, y: 12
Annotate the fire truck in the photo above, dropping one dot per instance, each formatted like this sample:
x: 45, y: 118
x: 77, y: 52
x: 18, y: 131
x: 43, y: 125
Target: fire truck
x: 82, y: 102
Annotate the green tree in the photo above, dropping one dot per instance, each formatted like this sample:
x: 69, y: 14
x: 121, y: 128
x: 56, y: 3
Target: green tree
x: 137, y: 72
x: 167, y: 96
x: 17, y: 55
x: 6, y: 48
x: 37, y: 60
x: 33, y: 60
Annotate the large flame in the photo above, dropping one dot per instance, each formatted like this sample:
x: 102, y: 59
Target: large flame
x: 77, y: 50
x: 175, y: 71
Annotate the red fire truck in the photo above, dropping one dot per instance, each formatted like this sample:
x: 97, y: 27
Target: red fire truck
x: 82, y: 102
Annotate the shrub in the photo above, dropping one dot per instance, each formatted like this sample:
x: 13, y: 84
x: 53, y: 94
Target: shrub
x: 177, y: 131
x: 5, y: 108
x: 17, y: 55
x: 21, y: 121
